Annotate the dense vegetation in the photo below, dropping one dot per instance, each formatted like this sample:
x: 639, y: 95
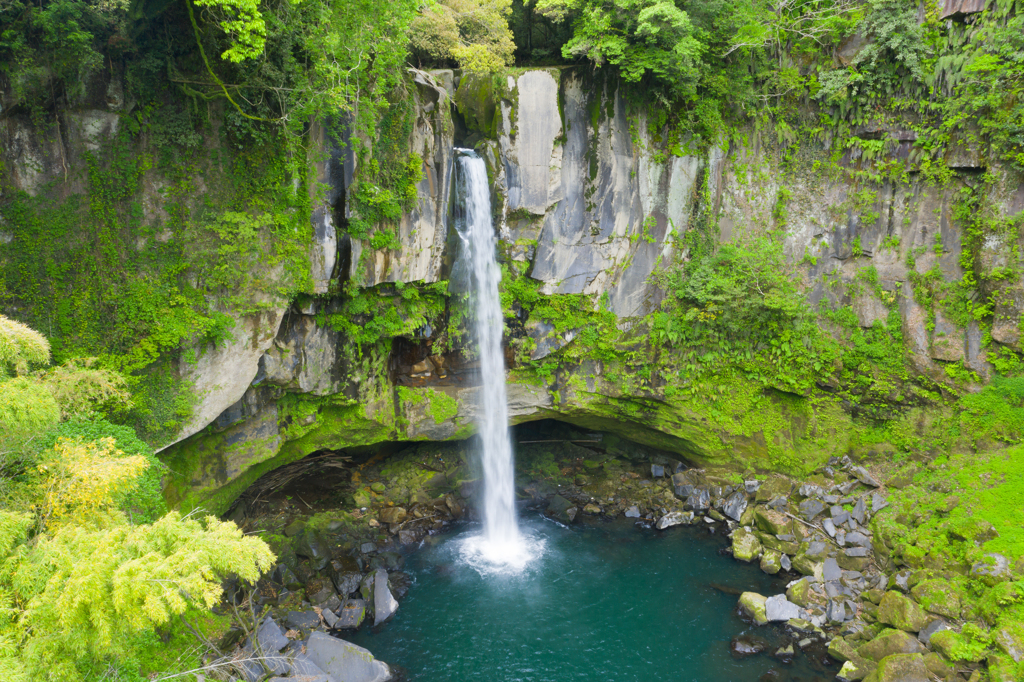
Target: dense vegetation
x: 217, y: 101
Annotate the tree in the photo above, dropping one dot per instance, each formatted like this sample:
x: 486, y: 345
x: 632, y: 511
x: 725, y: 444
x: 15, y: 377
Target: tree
x: 641, y: 37
x: 20, y: 346
x: 79, y: 582
x: 475, y: 33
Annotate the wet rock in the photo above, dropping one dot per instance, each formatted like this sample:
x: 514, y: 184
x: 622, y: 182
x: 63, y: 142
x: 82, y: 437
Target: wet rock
x: 633, y: 512
x: 351, y: 615
x: 408, y: 537
x: 889, y: 642
x: 319, y: 590
x: 313, y: 548
x: 753, y: 605
x: 785, y: 654
x: 864, y: 476
x: 902, y: 668
x: 657, y: 471
x: 384, y: 603
x: 286, y: 576
x: 901, y: 612
x: 591, y: 509
x: 735, y: 505
x: 392, y: 515
x: 674, y: 519
x: 746, y: 645
x: 561, y: 509
x: 367, y: 548
x: 745, y: 545
x: 344, y: 660
x: 855, y: 670
x: 777, y: 608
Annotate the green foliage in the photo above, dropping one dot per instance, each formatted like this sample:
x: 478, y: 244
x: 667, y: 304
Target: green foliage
x: 371, y: 317
x: 996, y: 412
x: 143, y: 501
x: 20, y: 345
x: 475, y: 33
x: 27, y: 409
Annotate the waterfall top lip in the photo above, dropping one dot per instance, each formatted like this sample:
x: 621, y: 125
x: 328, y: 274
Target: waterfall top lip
x: 466, y: 152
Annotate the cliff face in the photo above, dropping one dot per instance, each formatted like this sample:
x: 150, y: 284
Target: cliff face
x: 593, y: 197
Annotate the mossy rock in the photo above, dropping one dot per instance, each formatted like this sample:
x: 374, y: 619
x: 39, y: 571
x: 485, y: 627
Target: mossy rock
x: 775, y: 486
x: 889, y: 642
x: 745, y: 545
x: 857, y: 669
x: 842, y: 650
x: 1004, y: 669
x: 771, y: 521
x: 901, y: 612
x: 771, y: 562
x: 753, y: 604
x: 938, y: 596
x: 937, y: 665
x: 807, y: 565
x: 1010, y: 640
x: 956, y: 647
x: 799, y: 593
x: 772, y: 542
x: 903, y: 668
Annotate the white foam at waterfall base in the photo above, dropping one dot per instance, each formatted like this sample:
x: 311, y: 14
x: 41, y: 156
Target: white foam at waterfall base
x: 501, y: 546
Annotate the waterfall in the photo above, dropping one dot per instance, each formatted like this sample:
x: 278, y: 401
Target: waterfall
x: 501, y: 542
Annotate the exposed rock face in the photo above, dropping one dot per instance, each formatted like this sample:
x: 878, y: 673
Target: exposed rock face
x: 591, y: 201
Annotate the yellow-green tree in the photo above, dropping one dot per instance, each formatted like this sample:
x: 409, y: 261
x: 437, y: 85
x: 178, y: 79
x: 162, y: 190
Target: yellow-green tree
x: 475, y: 33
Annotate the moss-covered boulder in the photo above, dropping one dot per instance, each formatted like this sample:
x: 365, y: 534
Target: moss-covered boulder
x: 1004, y: 669
x: 771, y: 562
x: 938, y: 596
x: 889, y: 642
x: 753, y: 605
x: 806, y: 564
x: 771, y: 521
x: 745, y: 545
x: 799, y: 593
x: 903, y: 668
x: 842, y: 650
x: 937, y: 665
x: 1010, y: 640
x: 856, y: 669
x: 901, y: 612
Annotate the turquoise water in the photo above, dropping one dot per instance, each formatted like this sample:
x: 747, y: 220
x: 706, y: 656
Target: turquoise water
x: 605, y: 601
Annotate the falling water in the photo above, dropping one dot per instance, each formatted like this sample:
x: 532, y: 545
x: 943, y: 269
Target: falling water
x: 501, y: 544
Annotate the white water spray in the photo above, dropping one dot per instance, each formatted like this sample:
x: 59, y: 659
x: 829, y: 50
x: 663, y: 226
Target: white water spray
x: 501, y: 546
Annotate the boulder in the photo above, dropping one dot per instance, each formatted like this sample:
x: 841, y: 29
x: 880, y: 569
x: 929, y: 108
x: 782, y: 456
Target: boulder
x: 699, y: 499
x: 304, y: 668
x: 313, y: 548
x: 347, y: 582
x: 633, y: 512
x: 799, y: 592
x: 745, y: 645
x: 384, y: 604
x: 778, y: 608
x: 319, y: 589
x: 345, y: 661
x: 903, y: 668
x: 592, y: 509
x: 856, y: 669
x: 901, y: 612
x: 811, y: 508
x: 753, y: 604
x: 1010, y: 640
x: 889, y: 642
x: 674, y: 519
x: 745, y: 545
x: 392, y: 515
x: 937, y: 625
x: 938, y: 596
x: 302, y: 620
x: 735, y: 505
x: 771, y: 521
x: 771, y: 562
x: 351, y: 615
x: 992, y: 569
x: 864, y: 476
x: 269, y: 637
x: 561, y: 509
